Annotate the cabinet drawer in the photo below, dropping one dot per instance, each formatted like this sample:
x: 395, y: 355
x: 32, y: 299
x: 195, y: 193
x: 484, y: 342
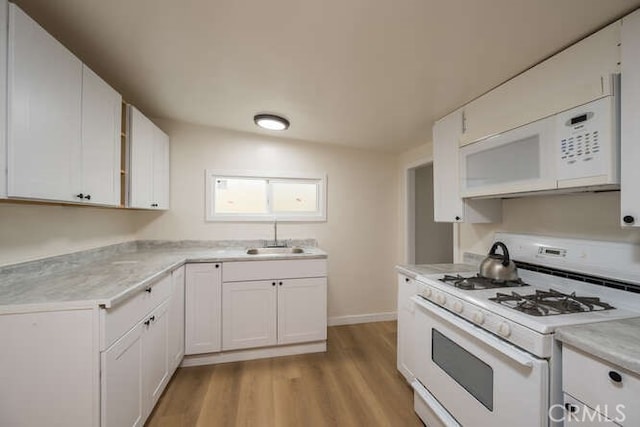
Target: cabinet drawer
x: 115, y: 321
x: 577, y: 414
x: 594, y: 382
x: 277, y: 269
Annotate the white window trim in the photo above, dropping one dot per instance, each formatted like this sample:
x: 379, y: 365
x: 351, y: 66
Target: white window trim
x: 211, y: 216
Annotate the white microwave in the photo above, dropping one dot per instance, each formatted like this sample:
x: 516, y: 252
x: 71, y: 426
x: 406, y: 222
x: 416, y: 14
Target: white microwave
x: 575, y: 150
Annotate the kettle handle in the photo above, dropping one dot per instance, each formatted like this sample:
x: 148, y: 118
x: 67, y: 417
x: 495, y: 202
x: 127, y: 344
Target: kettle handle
x: 505, y: 259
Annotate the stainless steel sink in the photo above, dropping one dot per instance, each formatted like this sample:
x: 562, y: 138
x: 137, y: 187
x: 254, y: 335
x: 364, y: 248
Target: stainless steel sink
x: 267, y: 251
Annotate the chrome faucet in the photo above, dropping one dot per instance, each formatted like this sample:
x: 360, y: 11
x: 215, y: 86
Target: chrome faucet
x: 275, y: 243
x: 275, y: 231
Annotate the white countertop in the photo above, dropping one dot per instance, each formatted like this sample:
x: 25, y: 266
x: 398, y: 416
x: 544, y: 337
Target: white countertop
x: 414, y: 270
x: 106, y: 279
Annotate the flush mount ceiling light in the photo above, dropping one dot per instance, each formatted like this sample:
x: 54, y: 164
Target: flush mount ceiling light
x: 271, y: 122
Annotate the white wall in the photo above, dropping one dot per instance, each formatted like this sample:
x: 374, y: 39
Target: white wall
x: 586, y: 215
x: 29, y: 232
x: 581, y: 215
x: 360, y: 234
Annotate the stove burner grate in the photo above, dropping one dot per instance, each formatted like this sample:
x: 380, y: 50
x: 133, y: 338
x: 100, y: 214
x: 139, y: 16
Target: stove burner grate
x: 551, y: 302
x: 478, y: 282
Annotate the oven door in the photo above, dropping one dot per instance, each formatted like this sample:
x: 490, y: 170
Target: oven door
x: 479, y: 379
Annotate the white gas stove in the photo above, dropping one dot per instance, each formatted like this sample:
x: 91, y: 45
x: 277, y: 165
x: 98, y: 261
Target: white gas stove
x: 491, y: 358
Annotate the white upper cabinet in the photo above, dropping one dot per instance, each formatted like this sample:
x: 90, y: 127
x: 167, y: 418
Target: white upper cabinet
x: 4, y: 21
x: 64, y: 122
x: 148, y: 163
x: 630, y: 122
x: 448, y: 204
x: 101, y: 129
x: 573, y: 77
x: 161, y: 169
x: 45, y: 102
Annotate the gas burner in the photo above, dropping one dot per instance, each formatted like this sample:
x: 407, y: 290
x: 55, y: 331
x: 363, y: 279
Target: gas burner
x: 551, y: 302
x: 478, y: 282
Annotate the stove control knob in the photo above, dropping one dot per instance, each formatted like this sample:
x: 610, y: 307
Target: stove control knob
x: 458, y: 307
x: 441, y: 299
x: 478, y: 318
x: 504, y: 330
x: 426, y: 292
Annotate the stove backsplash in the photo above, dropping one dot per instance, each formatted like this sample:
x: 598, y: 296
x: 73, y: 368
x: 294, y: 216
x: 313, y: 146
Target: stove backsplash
x: 609, y: 283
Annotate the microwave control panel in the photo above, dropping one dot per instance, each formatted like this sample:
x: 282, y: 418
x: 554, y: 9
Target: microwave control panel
x: 585, y: 138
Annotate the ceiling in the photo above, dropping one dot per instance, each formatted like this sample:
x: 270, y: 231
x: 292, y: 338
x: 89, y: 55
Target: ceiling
x: 367, y: 73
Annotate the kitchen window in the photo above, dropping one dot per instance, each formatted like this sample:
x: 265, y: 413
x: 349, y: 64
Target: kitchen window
x: 247, y: 196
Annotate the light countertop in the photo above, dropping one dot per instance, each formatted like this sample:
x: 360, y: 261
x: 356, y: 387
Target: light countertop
x: 617, y: 341
x: 107, y: 277
x: 414, y: 270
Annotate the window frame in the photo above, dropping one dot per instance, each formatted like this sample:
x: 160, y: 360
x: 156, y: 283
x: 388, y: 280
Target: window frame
x: 318, y: 216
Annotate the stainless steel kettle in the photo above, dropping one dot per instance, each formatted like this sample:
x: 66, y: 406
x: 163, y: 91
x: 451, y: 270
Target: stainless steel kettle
x: 499, y: 267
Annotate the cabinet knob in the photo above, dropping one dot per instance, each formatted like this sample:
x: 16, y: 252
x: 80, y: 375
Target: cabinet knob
x: 154, y: 205
x: 615, y: 377
x: 280, y: 283
x: 406, y: 279
x: 88, y: 197
x: 148, y: 290
x: 570, y: 408
x: 273, y: 283
x: 628, y: 219
x: 217, y: 265
x: 146, y: 322
x: 457, y: 218
x: 152, y: 318
x: 80, y: 196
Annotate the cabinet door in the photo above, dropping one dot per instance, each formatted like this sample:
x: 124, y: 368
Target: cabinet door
x: 155, y: 356
x: 141, y: 134
x: 176, y: 319
x: 160, y: 169
x: 121, y: 395
x: 4, y: 21
x: 447, y: 204
x: 101, y: 128
x: 45, y: 94
x: 248, y: 314
x: 630, y: 122
x: 203, y: 297
x: 406, y: 308
x: 577, y: 75
x: 302, y: 310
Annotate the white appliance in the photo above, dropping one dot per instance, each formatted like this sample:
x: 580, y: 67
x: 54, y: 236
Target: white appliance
x: 577, y: 149
x: 486, y: 355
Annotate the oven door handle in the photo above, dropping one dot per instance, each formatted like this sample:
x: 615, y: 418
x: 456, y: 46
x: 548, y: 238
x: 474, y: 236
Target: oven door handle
x: 489, y: 339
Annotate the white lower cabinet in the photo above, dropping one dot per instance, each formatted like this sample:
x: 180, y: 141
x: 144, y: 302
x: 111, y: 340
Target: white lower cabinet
x: 136, y: 367
x: 603, y: 391
x: 121, y: 383
x: 176, y: 318
x: 273, y: 312
x: 302, y: 310
x: 155, y: 356
x: 249, y: 314
x: 203, y: 301
x: 406, y: 329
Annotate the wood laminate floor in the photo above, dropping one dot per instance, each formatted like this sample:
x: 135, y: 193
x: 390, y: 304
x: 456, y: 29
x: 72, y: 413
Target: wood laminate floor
x: 355, y: 383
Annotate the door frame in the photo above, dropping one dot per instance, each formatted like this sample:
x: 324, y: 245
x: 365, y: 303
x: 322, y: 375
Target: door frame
x: 409, y: 177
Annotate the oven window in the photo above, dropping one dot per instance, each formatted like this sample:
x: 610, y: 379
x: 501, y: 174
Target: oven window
x: 466, y: 369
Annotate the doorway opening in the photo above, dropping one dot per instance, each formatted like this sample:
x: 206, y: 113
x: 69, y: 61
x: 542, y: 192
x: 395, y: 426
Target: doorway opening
x: 428, y: 242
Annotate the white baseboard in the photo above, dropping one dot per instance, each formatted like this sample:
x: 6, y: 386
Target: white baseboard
x: 254, y: 353
x: 362, y: 318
